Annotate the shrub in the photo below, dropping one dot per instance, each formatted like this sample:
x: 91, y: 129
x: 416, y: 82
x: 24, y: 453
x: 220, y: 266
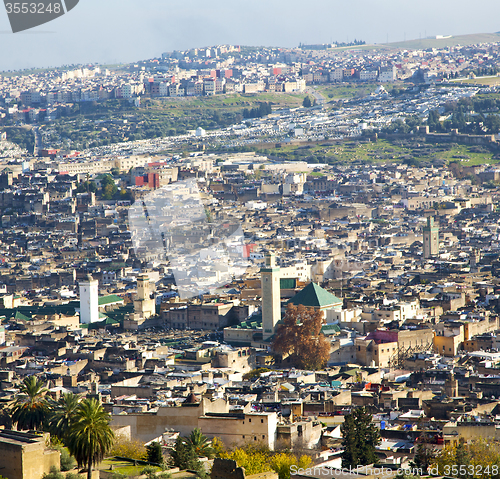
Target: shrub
x: 117, y: 475
x: 67, y: 460
x: 129, y: 449
x: 73, y: 475
x: 150, y: 471
x: 155, y: 452
x: 53, y: 474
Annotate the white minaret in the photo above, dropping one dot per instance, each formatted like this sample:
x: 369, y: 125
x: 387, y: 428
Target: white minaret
x: 89, y: 300
x: 271, y: 295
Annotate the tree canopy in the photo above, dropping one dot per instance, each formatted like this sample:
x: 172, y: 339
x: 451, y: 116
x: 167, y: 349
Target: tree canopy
x: 90, y: 436
x: 31, y: 409
x: 359, y: 439
x: 300, y: 338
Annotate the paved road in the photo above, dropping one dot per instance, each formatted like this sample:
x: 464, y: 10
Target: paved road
x: 38, y: 141
x: 320, y: 99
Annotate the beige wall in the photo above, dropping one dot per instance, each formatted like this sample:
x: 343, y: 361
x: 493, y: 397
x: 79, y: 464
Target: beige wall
x: 471, y: 432
x: 448, y: 345
x: 250, y: 428
x: 147, y: 426
x: 27, y: 459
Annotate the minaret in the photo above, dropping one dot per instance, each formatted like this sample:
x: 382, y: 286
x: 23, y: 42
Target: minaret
x: 143, y: 304
x: 271, y: 295
x: 431, y: 239
x: 89, y: 300
x: 474, y: 260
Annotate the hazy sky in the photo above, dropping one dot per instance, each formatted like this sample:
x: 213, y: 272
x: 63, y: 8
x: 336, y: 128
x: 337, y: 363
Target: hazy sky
x: 109, y: 31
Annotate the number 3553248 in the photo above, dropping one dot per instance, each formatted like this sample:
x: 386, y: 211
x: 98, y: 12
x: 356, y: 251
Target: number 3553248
x: 33, y: 7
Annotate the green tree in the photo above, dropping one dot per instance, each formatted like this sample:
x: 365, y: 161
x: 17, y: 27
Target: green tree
x: 62, y: 414
x: 31, y: 407
x: 108, y: 187
x: 424, y: 455
x: 492, y: 123
x: 155, y: 453
x: 183, y: 456
x: 85, y: 186
x: 359, y: 439
x: 201, y: 445
x: 90, y: 436
x: 307, y: 102
x: 462, y: 457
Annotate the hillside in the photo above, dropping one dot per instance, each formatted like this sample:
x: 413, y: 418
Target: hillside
x: 447, y: 42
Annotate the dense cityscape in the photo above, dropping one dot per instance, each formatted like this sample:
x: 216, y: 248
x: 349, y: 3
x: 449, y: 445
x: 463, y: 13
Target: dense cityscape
x: 255, y: 262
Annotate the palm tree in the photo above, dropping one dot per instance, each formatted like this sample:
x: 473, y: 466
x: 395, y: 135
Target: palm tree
x: 89, y: 437
x: 30, y: 409
x: 200, y: 444
x: 63, y: 414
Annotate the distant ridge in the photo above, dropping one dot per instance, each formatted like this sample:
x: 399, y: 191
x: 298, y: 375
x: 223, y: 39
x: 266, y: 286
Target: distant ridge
x: 448, y: 41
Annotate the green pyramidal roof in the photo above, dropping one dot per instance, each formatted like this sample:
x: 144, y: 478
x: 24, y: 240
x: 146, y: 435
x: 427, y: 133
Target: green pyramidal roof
x: 21, y: 316
x: 315, y: 296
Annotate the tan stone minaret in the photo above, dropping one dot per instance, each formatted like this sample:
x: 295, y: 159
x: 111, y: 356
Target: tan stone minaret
x: 271, y: 295
x: 143, y: 304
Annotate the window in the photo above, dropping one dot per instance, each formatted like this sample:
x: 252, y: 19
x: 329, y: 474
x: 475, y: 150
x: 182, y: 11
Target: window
x: 249, y: 420
x: 263, y: 436
x: 255, y: 438
x: 262, y: 421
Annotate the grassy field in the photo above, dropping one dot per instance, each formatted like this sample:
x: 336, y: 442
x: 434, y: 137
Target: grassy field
x: 122, y: 467
x: 447, y: 42
x: 490, y: 81
x: 364, y: 48
x: 383, y: 151
x: 156, y: 117
x: 346, y: 91
x: 230, y: 101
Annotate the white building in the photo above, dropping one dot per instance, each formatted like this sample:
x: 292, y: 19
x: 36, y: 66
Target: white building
x: 89, y: 301
x: 368, y: 75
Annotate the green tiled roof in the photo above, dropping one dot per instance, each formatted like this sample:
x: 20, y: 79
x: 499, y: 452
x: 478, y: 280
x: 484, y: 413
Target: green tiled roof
x: 118, y: 314
x: 330, y: 329
x: 250, y: 325
x: 315, y: 296
x: 110, y: 298
x: 103, y: 324
x: 288, y: 283
x: 21, y: 316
